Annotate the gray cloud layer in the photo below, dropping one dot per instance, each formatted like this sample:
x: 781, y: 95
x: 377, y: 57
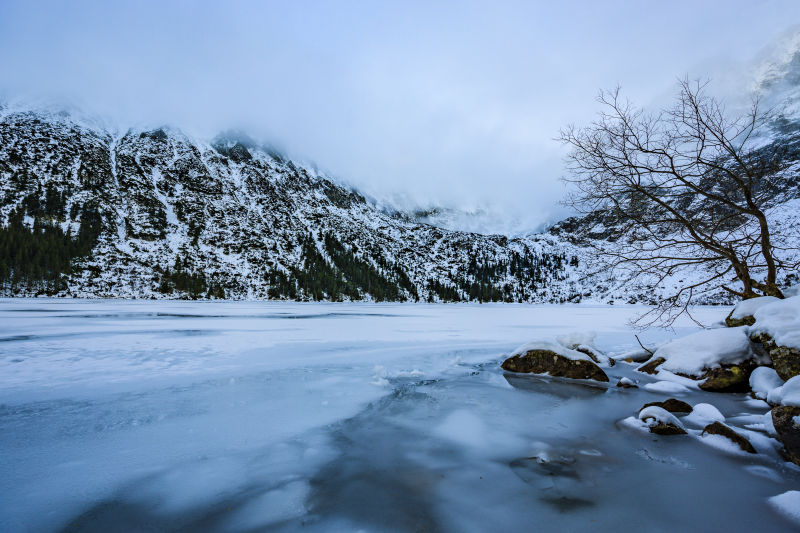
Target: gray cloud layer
x: 422, y: 102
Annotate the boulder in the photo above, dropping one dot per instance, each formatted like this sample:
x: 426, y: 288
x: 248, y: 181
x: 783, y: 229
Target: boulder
x: 718, y: 428
x: 786, y: 420
x: 732, y: 322
x: 660, y: 421
x: 626, y: 383
x: 651, y: 367
x: 729, y: 378
x: 540, y: 361
x: 742, y: 314
x: 785, y: 359
x: 672, y: 405
x: 777, y: 327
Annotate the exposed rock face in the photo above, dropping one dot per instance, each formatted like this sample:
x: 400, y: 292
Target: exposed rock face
x: 736, y: 322
x: 547, y: 362
x: 672, y: 405
x: 718, y: 428
x: 788, y: 431
x: 785, y: 359
x: 729, y: 378
x: 651, y: 367
x: 667, y: 429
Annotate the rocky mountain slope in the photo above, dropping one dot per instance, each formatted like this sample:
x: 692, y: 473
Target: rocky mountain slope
x: 159, y: 214
x: 86, y: 210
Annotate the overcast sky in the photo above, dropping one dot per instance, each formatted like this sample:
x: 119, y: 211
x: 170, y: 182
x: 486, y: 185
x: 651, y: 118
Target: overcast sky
x: 449, y: 102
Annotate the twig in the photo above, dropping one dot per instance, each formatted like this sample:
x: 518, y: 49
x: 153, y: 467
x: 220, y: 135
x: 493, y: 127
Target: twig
x: 642, y: 345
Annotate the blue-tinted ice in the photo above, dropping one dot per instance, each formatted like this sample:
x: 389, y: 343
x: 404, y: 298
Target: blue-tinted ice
x: 132, y: 416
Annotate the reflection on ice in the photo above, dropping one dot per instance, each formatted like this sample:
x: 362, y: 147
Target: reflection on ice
x: 357, y: 417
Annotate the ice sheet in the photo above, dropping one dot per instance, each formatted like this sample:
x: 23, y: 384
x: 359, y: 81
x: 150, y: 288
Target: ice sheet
x: 128, y: 415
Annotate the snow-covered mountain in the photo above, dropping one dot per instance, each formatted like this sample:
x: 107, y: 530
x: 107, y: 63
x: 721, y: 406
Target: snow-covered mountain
x: 86, y: 210
x: 163, y: 214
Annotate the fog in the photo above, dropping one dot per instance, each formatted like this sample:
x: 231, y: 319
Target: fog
x: 417, y: 103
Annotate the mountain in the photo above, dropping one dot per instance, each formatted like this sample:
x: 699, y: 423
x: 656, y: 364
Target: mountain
x: 90, y: 212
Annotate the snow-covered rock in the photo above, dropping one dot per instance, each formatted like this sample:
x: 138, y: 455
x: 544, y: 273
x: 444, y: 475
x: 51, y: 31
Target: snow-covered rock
x: 742, y: 314
x: 666, y: 387
x: 583, y: 341
x: 763, y: 380
x: 548, y: 346
x: 543, y: 357
x: 627, y: 383
x: 703, y: 414
x: 661, y: 421
x: 723, y: 358
x: 718, y: 429
x: 777, y: 326
x: 710, y: 348
x: 786, y: 394
x: 781, y: 321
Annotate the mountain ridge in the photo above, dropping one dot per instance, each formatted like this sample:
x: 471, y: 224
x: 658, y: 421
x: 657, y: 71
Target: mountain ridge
x: 166, y: 215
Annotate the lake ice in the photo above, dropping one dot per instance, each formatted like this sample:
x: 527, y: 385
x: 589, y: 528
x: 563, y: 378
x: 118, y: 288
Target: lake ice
x: 250, y: 416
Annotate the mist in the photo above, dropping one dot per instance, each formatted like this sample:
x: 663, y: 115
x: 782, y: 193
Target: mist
x: 414, y: 103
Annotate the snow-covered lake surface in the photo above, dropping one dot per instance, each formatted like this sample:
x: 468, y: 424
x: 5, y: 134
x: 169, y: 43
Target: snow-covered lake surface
x: 157, y: 416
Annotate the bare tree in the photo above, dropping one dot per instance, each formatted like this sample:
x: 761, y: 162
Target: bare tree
x: 692, y: 187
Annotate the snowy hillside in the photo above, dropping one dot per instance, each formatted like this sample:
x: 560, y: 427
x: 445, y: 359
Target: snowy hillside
x: 164, y: 215
x: 89, y: 211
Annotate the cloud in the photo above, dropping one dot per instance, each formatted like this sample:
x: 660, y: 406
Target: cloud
x: 452, y: 103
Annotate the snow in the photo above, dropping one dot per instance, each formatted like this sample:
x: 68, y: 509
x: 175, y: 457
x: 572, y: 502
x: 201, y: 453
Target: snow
x: 788, y: 505
x: 654, y: 415
x: 749, y: 307
x: 781, y: 321
x: 703, y: 414
x: 705, y: 349
x: 552, y: 347
x: 666, y: 387
x: 575, y: 339
x: 130, y: 415
x: 787, y: 394
x: 721, y: 443
x: 763, y: 380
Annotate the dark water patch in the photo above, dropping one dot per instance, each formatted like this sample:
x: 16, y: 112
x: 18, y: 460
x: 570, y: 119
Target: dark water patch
x: 565, y: 504
x: 15, y: 338
x: 560, y: 388
x: 372, y: 481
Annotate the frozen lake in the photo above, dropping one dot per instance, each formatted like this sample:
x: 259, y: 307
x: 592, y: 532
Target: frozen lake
x: 158, y: 416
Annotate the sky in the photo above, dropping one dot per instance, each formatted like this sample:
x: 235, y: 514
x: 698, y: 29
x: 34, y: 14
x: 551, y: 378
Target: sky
x: 417, y: 103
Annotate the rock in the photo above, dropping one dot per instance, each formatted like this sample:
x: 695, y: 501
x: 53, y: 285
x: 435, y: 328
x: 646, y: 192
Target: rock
x: 626, y: 383
x: 783, y: 418
x: 549, y: 362
x: 736, y: 322
x: 718, y: 428
x: 785, y: 359
x: 729, y: 378
x: 651, y: 366
x: 672, y: 405
x: 743, y: 313
x: 667, y: 429
x: 586, y: 351
x: 660, y: 421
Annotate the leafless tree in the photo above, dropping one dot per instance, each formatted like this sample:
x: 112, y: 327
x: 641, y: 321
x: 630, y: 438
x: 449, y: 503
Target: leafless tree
x: 692, y: 187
